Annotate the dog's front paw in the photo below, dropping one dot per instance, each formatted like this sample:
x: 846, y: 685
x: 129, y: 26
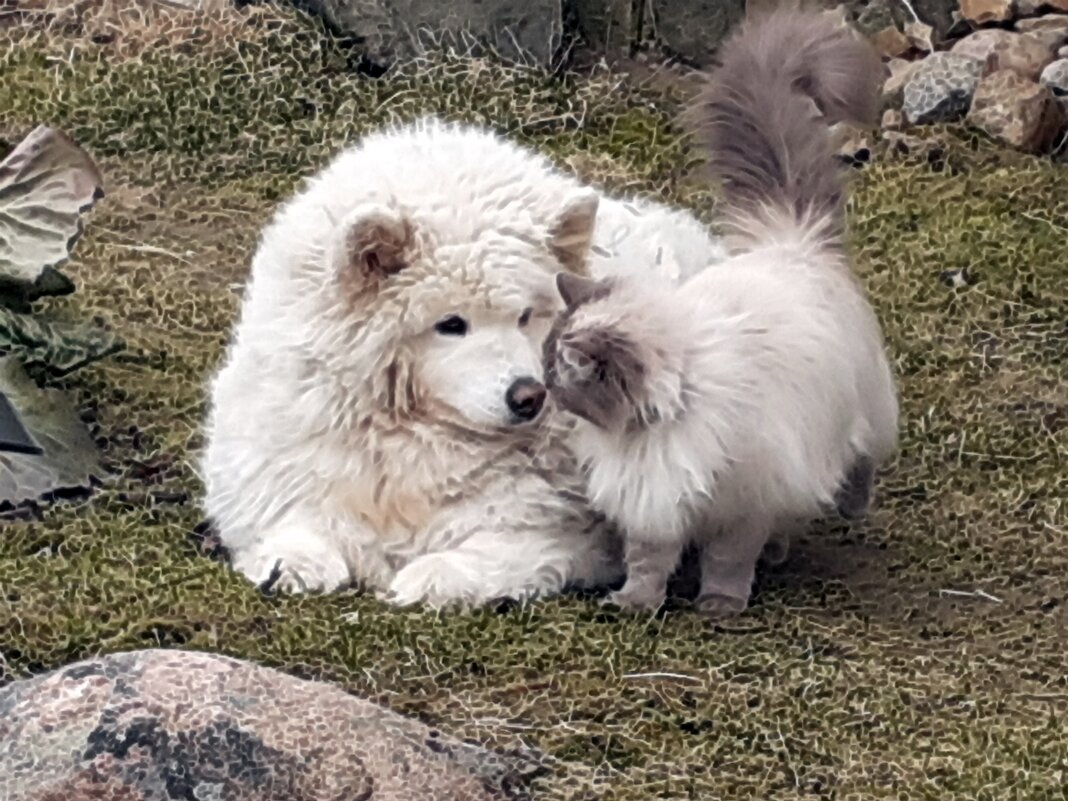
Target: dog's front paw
x: 435, y: 580
x: 294, y: 572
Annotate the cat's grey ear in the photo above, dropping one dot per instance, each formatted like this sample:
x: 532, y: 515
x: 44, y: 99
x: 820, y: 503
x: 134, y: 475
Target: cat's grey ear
x: 575, y: 289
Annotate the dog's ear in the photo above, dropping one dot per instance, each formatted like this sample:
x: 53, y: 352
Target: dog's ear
x: 373, y: 241
x: 575, y: 289
x: 571, y: 233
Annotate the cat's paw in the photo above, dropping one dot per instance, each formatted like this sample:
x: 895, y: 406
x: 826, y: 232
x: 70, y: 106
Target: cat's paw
x: 718, y: 607
x: 776, y: 550
x: 637, y: 598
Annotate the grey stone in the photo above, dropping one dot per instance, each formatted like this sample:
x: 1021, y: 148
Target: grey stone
x: 877, y: 15
x: 1055, y: 76
x: 392, y: 30
x: 938, y: 14
x: 893, y: 120
x: 694, y: 29
x: 161, y: 724
x: 901, y: 72
x: 941, y: 89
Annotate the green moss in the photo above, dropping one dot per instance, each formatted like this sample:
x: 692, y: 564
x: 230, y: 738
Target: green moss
x: 853, y: 676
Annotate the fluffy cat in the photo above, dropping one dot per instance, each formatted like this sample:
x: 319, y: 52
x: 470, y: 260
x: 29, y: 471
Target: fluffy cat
x: 755, y: 396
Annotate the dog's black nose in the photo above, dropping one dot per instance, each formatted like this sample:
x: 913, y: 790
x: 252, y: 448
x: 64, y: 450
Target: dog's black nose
x: 525, y: 398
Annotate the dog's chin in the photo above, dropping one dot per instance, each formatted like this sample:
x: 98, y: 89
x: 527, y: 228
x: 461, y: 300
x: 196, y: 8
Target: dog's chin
x: 514, y: 422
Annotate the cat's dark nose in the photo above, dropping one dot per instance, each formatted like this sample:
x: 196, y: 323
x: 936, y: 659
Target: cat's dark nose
x: 525, y: 398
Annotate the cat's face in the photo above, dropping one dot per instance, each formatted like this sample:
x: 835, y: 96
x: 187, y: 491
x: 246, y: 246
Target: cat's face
x: 594, y: 368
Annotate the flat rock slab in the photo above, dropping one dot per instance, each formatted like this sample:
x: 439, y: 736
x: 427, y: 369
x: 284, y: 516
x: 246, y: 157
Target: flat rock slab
x: 694, y: 28
x: 162, y: 725
x: 393, y: 30
x: 941, y: 88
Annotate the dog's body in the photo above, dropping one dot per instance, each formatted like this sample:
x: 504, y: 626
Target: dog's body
x: 379, y: 416
x: 756, y: 395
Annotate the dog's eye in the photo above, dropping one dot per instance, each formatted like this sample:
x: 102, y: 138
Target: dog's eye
x: 452, y: 326
x: 524, y: 318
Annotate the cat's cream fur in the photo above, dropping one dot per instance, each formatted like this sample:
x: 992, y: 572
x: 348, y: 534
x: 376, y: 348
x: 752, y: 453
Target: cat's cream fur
x: 755, y: 396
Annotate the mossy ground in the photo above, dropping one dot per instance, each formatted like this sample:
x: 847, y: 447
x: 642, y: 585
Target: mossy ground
x: 920, y: 654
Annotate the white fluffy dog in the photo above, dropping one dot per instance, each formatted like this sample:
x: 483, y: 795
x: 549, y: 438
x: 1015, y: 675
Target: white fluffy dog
x: 380, y: 417
x: 756, y: 395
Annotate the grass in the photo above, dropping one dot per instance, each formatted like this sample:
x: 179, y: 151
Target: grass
x: 919, y: 655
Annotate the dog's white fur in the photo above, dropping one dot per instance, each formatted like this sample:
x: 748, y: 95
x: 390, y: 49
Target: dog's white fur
x: 748, y: 394
x: 348, y: 441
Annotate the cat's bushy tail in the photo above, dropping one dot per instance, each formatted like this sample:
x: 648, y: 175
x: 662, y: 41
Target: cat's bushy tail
x: 765, y: 115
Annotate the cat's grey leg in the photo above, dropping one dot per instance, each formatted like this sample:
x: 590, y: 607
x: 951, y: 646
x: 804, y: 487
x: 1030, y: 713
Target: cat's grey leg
x: 728, y: 564
x: 854, y: 496
x: 777, y: 548
x: 650, y: 564
x: 784, y: 532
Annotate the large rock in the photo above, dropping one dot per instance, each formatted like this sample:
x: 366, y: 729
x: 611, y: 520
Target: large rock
x: 941, y: 89
x: 162, y: 725
x: 401, y: 29
x: 1055, y: 76
x: 1016, y: 111
x: 694, y: 28
x: 996, y: 50
x: 985, y: 12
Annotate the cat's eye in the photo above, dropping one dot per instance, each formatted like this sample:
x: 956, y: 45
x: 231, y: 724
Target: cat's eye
x: 451, y: 326
x: 524, y: 318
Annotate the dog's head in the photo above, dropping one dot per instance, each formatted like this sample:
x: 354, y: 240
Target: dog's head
x: 610, y: 358
x: 447, y: 327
